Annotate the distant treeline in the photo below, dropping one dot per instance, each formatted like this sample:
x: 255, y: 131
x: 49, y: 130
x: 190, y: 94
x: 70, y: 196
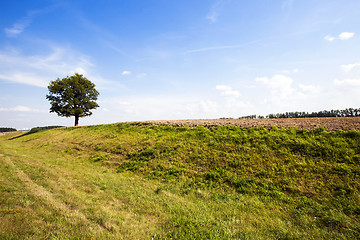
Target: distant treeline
x: 33, y: 130
x: 348, y: 112
x: 6, y: 129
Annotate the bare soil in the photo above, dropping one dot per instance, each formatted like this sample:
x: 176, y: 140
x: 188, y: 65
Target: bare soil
x: 330, y: 124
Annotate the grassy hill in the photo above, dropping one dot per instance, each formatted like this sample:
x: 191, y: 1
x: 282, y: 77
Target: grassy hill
x: 141, y: 181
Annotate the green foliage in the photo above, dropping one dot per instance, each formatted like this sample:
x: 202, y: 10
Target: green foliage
x: 98, y: 157
x: 38, y: 129
x: 348, y: 112
x: 72, y: 96
x: 6, y: 129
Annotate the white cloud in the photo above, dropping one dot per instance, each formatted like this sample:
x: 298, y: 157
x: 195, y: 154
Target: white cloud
x: 79, y: 70
x: 148, y: 107
x: 351, y: 82
x: 349, y: 67
x: 310, y: 88
x: 209, y: 106
x: 39, y: 70
x: 126, y: 73
x: 16, y: 29
x: 227, y: 91
x: 342, y: 36
x: 20, y: 108
x: 184, y: 106
x: 26, y: 78
x: 232, y: 103
x: 295, y: 70
x: 329, y: 38
x: 279, y: 92
x: 279, y: 83
x: 346, y: 35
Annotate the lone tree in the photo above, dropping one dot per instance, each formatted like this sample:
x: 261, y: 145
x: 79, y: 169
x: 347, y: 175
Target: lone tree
x: 72, y: 96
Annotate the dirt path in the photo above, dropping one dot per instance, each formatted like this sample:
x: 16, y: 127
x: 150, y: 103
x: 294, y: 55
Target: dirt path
x: 76, y: 191
x: 47, y: 197
x: 330, y: 124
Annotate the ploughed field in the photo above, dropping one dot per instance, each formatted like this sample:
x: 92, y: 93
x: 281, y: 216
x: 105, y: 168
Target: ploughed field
x: 329, y: 123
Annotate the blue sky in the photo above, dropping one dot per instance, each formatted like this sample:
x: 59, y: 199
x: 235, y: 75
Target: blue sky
x: 162, y: 59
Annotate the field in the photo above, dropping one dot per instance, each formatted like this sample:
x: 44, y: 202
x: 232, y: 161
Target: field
x: 189, y: 179
x: 330, y: 124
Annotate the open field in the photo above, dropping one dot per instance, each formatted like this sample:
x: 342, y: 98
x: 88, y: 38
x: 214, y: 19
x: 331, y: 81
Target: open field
x: 330, y: 124
x: 145, y: 181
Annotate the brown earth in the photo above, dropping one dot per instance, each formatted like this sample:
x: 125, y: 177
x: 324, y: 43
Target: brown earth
x: 330, y: 124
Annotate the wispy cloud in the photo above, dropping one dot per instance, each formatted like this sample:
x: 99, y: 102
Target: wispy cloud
x: 214, y: 48
x: 39, y: 70
x: 102, y: 37
x: 20, y: 25
x: 220, y: 47
x: 213, y: 16
x: 295, y: 70
x: 16, y: 28
x: 349, y: 67
x: 310, y: 88
x: 20, y: 108
x: 25, y: 78
x: 352, y: 82
x: 215, y: 10
x: 227, y: 91
x: 126, y: 72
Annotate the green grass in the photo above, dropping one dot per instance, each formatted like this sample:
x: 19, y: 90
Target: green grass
x: 139, y: 181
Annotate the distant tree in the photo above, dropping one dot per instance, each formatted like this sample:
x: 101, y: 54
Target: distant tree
x: 248, y: 117
x: 7, y: 129
x: 72, y: 96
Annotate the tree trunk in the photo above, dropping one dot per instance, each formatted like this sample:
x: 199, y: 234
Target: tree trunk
x: 76, y: 120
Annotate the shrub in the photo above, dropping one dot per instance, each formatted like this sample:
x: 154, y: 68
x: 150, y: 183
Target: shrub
x: 38, y: 129
x: 6, y: 129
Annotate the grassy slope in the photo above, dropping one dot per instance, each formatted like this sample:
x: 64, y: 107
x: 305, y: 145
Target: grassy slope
x: 137, y: 182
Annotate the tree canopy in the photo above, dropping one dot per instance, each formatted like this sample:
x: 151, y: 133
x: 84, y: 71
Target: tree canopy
x: 7, y: 129
x: 72, y: 96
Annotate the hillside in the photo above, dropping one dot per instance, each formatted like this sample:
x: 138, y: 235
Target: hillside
x: 144, y: 181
